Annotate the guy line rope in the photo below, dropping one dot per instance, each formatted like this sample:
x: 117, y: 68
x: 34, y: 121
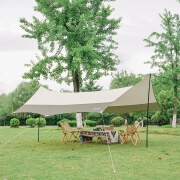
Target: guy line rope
x: 13, y: 138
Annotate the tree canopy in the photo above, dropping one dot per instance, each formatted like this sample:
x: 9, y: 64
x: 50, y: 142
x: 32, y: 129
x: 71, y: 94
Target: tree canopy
x: 90, y: 86
x: 14, y: 100
x: 167, y: 54
x: 75, y: 38
x: 123, y: 79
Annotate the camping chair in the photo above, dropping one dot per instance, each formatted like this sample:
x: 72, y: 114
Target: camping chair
x: 137, y: 129
x: 66, y: 128
x: 128, y: 135
x: 108, y: 128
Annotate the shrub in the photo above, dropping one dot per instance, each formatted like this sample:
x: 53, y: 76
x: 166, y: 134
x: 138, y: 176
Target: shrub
x: 42, y: 122
x: 67, y: 120
x: 73, y: 123
x: 166, y: 126
x: 69, y: 116
x: 105, y: 119
x: 94, y: 116
x: 91, y: 123
x: 2, y: 120
x: 144, y: 120
x: 14, y: 122
x: 52, y: 120
x: 31, y: 122
x: 117, y: 121
x: 160, y: 119
x: 58, y: 123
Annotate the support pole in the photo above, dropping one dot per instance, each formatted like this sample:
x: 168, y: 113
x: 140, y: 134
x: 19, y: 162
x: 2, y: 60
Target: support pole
x: 148, y: 111
x: 38, y: 127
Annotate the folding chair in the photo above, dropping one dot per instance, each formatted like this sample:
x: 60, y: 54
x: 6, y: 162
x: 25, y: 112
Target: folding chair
x: 108, y: 128
x: 128, y: 135
x: 99, y: 138
x: 137, y: 129
x: 66, y: 128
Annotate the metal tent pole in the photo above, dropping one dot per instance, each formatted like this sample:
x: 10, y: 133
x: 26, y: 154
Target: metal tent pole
x: 38, y: 127
x: 148, y: 111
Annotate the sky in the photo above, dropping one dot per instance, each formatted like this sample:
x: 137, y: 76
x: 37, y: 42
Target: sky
x: 139, y: 19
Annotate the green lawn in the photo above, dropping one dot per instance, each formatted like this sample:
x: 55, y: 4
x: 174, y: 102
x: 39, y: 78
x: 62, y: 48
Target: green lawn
x: 25, y: 158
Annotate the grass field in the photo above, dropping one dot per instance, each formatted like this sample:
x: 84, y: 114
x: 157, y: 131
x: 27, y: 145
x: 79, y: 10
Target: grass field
x: 25, y: 158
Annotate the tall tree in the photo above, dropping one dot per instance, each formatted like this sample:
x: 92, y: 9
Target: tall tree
x: 124, y: 79
x: 75, y: 38
x: 4, y: 108
x: 22, y: 94
x: 90, y: 86
x: 14, y: 100
x: 167, y: 53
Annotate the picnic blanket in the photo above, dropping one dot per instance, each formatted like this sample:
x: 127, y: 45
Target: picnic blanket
x: 114, y: 136
x: 111, y: 136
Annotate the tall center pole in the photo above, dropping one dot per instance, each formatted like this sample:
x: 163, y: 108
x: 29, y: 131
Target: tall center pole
x: 148, y: 111
x: 38, y: 127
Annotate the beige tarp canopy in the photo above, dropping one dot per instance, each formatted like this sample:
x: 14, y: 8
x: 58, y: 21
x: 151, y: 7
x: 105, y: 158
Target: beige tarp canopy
x: 128, y: 99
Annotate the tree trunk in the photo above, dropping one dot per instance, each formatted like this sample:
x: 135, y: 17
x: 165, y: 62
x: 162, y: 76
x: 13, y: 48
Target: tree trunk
x: 79, y: 120
x: 142, y: 121
x: 175, y: 108
x: 76, y: 81
x: 76, y: 89
x: 126, y: 121
x: 83, y: 117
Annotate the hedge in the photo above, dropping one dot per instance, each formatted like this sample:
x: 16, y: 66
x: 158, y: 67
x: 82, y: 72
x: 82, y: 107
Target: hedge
x: 91, y: 123
x: 73, y: 123
x: 67, y: 120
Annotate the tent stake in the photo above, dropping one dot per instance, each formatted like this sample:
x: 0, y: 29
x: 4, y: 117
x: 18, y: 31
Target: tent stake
x: 148, y: 112
x: 38, y: 127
